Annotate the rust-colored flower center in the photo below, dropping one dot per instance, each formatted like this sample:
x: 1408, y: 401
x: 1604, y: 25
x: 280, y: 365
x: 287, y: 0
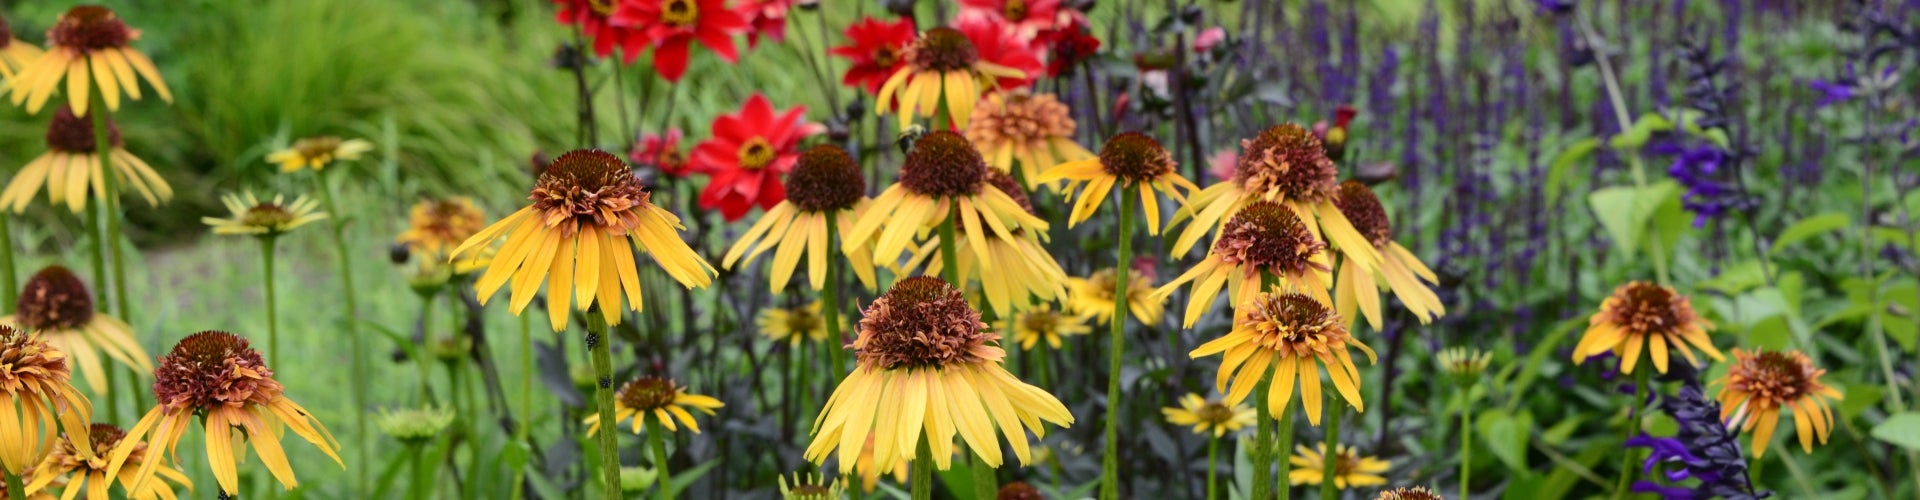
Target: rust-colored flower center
x: 602, y: 7
x: 267, y: 215
x: 1286, y: 160
x: 1213, y: 412
x: 885, y: 56
x: 1020, y: 117
x: 824, y: 179
x: 28, y: 365
x: 682, y: 13
x: 1774, y: 378
x: 941, y: 164
x: 1413, y: 493
x: 1345, y: 461
x: 756, y: 153
x: 647, y: 393
x: 1267, y: 236
x: 1294, y: 325
x: 72, y: 134
x: 213, y: 369
x: 943, y: 49
x: 1018, y: 490
x: 55, y: 299
x: 6, y: 33
x: 1357, y: 202
x: 592, y: 188
x: 1014, y: 10
x: 922, y: 322
x: 1135, y: 157
x: 104, y: 438
x: 1643, y: 308
x: 90, y: 28
x: 1041, y: 322
x: 323, y: 147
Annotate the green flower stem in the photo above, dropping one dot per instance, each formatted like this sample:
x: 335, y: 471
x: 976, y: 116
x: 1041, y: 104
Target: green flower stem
x: 1330, y: 458
x: 273, y: 319
x: 920, y: 475
x: 9, y: 282
x: 96, y: 228
x: 663, y: 476
x: 1627, y: 459
x: 1213, y: 453
x: 1263, y: 441
x: 1466, y: 441
x: 355, y: 350
x: 1276, y: 452
x: 110, y: 180
x: 1110, y: 461
x: 14, y: 484
x: 830, y: 307
x: 425, y: 359
x: 949, y: 260
x: 601, y: 345
x: 422, y: 485
x: 521, y: 431
x: 1284, y: 489
x: 986, y: 480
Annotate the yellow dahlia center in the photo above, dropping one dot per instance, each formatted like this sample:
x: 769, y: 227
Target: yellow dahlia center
x: 1646, y: 309
x: 943, y: 49
x: 1294, y: 325
x: 1358, y: 204
x: 921, y: 322
x: 647, y: 393
x: 317, y: 148
x: 1215, y: 413
x: 1014, y: 10
x: 681, y: 13
x: 90, y: 28
x: 55, y: 299
x: 1268, y: 236
x: 756, y: 153
x: 885, y: 56
x: 213, y: 369
x: 943, y: 163
x: 602, y: 7
x: 589, y: 188
x: 825, y: 178
x: 1286, y: 160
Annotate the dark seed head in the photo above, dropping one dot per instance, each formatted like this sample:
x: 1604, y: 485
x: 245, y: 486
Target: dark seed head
x: 1643, y: 308
x: 589, y: 187
x: 942, y: 49
x: 942, y: 164
x: 72, y: 134
x: 211, y: 369
x: 1286, y: 160
x: 1363, y: 209
x: 1018, y: 491
x: 647, y: 393
x: 1135, y: 157
x: 1267, y: 236
x: 826, y: 178
x: 921, y: 322
x: 90, y: 28
x: 55, y: 299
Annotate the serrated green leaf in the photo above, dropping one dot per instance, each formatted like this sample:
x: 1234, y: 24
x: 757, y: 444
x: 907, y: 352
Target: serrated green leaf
x: 1808, y: 228
x: 1562, y: 165
x: 1901, y: 429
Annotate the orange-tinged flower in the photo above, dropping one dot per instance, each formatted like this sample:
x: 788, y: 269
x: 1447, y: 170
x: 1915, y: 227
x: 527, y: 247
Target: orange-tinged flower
x: 88, y: 48
x: 1031, y: 131
x: 1265, y: 238
x: 1285, y: 164
x: 57, y: 306
x: 1358, y: 287
x: 943, y: 67
x: 36, y: 383
x: 1642, y: 316
x: 72, y: 471
x: 1759, y: 384
x: 1293, y: 335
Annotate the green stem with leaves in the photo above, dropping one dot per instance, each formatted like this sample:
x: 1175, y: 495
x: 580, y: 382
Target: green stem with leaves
x: 356, y: 352
x: 1627, y: 460
x: 1123, y: 243
x: 601, y: 346
x: 663, y: 475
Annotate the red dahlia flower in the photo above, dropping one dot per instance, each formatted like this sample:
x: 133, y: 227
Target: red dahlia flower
x: 593, y: 17
x: 1067, y: 45
x: 1025, y: 17
x: 876, y: 52
x: 766, y: 17
x: 748, y: 154
x: 662, y: 152
x: 1000, y: 45
x: 671, y: 26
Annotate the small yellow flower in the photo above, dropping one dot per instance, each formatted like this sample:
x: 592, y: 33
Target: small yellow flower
x: 73, y: 472
x: 1350, y: 469
x: 274, y: 218
x: 1291, y: 335
x: 659, y: 399
x: 1133, y: 162
x: 316, y: 152
x: 795, y: 324
x: 71, y: 169
x: 1026, y: 274
x: 1285, y: 164
x: 1759, y: 384
x: 825, y: 186
x: 942, y: 179
x: 1093, y: 295
x: 1264, y: 238
x: 1209, y: 414
x: 1642, y: 316
x: 1034, y: 325
x: 1358, y: 288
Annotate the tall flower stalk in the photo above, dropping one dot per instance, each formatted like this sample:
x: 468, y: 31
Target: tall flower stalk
x: 316, y: 153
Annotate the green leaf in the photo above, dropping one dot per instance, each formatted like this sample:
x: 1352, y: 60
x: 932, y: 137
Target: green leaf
x: 1507, y: 435
x: 1902, y: 429
x: 1562, y: 164
x: 1808, y: 228
x: 959, y: 478
x: 1860, y: 398
x: 1626, y: 213
x: 1641, y: 131
x: 1772, y: 333
x: 514, y: 454
x: 685, y: 478
x: 1559, y: 433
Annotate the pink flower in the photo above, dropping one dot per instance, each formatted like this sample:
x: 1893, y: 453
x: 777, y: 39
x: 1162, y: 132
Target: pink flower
x: 1208, y: 38
x: 766, y: 17
x: 1222, y: 163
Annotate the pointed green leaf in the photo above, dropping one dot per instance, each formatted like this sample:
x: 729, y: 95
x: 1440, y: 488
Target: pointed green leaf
x: 1562, y: 165
x: 1808, y: 228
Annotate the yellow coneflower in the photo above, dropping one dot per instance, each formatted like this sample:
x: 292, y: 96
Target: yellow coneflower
x: 1293, y: 335
x: 811, y: 487
x: 57, y: 306
x: 656, y: 398
x: 943, y: 179
x: 36, y: 383
x: 435, y: 227
x: 71, y: 170
x: 942, y: 66
x: 1399, y: 270
x: 87, y: 47
x: 1094, y: 295
x: 1759, y: 384
x: 1042, y: 323
x: 316, y: 152
x: 870, y: 473
x: 1644, y: 316
x: 1410, y: 493
x: 1285, y: 164
x: 72, y: 471
x: 1213, y: 415
x: 793, y: 324
x: 1130, y: 161
x: 1033, y: 131
x: 217, y: 379
x: 825, y: 183
x: 1027, y: 272
x: 1351, y: 470
x: 273, y: 218
x: 14, y: 54
x: 1263, y: 238
x: 928, y: 366
x: 587, y: 207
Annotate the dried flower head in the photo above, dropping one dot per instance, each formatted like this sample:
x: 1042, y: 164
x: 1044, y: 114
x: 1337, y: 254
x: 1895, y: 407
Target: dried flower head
x: 213, y: 369
x: 1759, y: 384
x: 91, y: 28
x: 942, y: 49
x: 436, y: 226
x: 1286, y: 160
x: 73, y: 134
x: 1018, y: 490
x: 589, y: 188
x: 1409, y: 493
x: 921, y: 322
x: 1357, y: 202
x: 1267, y: 236
x: 1135, y: 157
x: 825, y: 178
x: 943, y: 163
x: 1644, y: 316
x: 55, y: 299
